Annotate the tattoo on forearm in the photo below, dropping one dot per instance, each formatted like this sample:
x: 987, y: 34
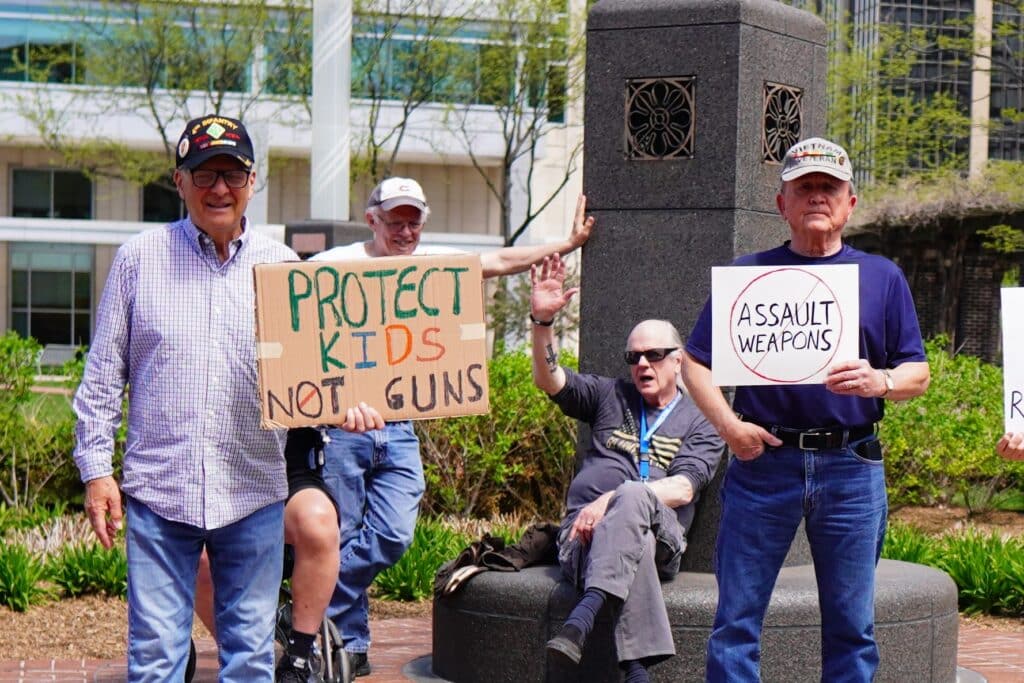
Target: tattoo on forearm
x: 551, y: 358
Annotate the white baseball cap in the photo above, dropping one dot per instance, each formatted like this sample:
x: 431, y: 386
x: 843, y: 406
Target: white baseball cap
x: 816, y: 155
x: 393, y: 192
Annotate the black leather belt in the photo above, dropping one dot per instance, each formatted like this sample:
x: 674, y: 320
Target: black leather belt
x: 818, y: 438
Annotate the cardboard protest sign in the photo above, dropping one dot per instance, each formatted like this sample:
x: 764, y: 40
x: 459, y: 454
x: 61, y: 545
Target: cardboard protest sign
x: 782, y: 324
x: 404, y: 334
x: 1013, y: 358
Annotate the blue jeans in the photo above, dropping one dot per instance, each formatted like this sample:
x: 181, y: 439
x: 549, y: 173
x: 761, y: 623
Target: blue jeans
x: 245, y: 561
x: 841, y: 498
x: 377, y: 479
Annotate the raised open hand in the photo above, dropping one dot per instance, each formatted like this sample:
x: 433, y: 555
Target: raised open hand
x: 548, y: 295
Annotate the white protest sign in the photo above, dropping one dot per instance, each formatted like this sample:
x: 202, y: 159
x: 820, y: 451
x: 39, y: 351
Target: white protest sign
x: 782, y: 324
x: 1013, y: 358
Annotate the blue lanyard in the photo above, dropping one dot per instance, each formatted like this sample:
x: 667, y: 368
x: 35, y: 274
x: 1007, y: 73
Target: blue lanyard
x: 645, y: 435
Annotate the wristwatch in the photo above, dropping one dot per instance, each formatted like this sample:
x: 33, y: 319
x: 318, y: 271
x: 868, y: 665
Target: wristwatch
x: 542, y: 323
x: 890, y: 384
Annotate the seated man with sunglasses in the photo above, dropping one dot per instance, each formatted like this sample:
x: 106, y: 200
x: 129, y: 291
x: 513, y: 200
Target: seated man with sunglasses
x: 630, y: 504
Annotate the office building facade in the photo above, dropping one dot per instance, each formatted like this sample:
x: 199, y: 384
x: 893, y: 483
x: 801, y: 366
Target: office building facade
x: 60, y: 226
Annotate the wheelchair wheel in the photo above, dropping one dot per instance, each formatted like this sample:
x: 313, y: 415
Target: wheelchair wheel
x: 336, y: 667
x: 282, y: 627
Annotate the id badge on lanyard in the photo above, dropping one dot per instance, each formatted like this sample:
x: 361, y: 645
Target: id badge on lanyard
x: 644, y: 464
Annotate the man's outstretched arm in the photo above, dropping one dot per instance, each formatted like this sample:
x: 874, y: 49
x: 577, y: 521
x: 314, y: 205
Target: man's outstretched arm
x: 512, y: 260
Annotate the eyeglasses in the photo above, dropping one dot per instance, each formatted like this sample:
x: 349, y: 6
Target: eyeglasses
x: 652, y: 355
x: 205, y: 178
x: 396, y: 226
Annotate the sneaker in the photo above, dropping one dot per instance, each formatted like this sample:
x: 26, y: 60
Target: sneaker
x: 359, y: 664
x: 295, y: 670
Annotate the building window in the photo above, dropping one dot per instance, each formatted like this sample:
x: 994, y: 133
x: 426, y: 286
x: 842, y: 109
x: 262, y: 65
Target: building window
x: 51, y: 292
x: 40, y: 51
x: 161, y: 203
x: 50, y: 194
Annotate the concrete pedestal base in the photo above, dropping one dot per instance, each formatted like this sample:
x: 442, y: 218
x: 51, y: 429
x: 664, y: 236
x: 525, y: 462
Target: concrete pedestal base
x: 495, y: 627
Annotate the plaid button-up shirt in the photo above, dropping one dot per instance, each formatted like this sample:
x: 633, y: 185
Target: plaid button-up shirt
x: 178, y: 327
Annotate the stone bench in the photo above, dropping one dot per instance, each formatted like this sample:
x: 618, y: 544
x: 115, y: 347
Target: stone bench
x: 495, y: 627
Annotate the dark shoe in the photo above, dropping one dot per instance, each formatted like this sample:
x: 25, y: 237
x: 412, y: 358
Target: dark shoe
x: 568, y: 644
x: 359, y: 663
x: 190, y: 667
x: 295, y: 670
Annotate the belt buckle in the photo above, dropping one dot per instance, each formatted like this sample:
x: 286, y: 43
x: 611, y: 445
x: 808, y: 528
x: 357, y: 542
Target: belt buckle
x: 800, y: 441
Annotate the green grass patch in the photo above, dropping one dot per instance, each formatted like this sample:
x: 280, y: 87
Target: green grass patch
x: 90, y: 569
x: 1009, y: 500
x: 988, y: 568
x: 49, y: 408
x: 903, y: 542
x: 434, y: 543
x: 20, y: 517
x: 412, y: 578
x: 21, y: 578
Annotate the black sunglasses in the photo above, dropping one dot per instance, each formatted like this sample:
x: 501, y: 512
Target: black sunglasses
x: 652, y: 355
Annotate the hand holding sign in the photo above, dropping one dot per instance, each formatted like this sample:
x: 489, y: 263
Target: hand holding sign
x: 362, y: 418
x: 1011, y: 446
x: 855, y: 378
x: 783, y: 324
x: 1013, y: 368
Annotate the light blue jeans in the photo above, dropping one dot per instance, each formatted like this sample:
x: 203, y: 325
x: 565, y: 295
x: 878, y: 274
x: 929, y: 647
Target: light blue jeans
x: 245, y: 562
x: 841, y: 498
x: 377, y: 479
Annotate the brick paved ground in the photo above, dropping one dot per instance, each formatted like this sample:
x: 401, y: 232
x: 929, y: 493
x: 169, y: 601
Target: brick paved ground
x: 996, y: 655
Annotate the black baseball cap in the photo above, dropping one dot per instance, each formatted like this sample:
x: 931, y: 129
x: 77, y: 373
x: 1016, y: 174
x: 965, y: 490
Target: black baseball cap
x: 212, y: 135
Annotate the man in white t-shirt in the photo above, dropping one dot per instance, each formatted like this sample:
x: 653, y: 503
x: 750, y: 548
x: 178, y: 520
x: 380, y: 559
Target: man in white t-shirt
x: 376, y: 478
x: 369, y: 488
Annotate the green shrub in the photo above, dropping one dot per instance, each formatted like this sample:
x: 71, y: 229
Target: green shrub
x: 412, y: 578
x: 509, y: 527
x: 21, y: 577
x: 908, y: 544
x: 40, y: 457
x: 17, y: 373
x: 27, y: 517
x: 519, y: 458
x: 36, y: 431
x: 942, y: 444
x: 90, y: 569
x: 988, y: 570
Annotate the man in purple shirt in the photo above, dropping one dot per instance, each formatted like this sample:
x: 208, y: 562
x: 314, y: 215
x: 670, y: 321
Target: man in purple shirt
x: 809, y: 452
x: 176, y: 325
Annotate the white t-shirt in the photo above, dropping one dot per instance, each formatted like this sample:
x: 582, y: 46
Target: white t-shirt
x: 357, y: 250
